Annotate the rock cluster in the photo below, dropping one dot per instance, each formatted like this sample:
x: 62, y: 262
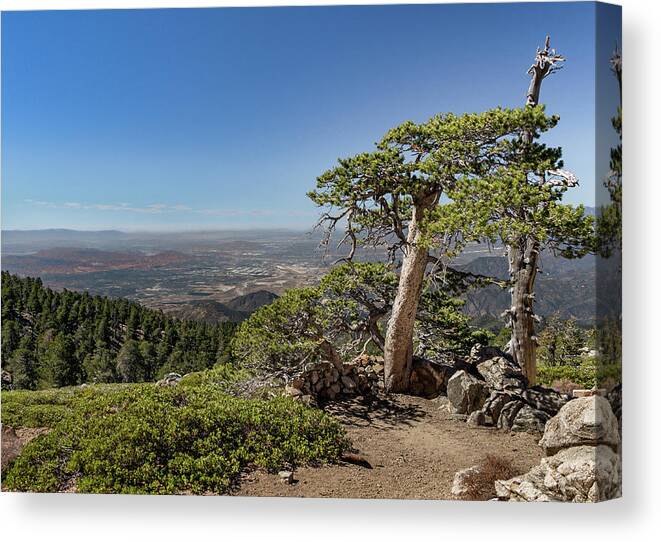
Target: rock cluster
x: 493, y: 391
x: 324, y: 381
x: 582, y: 464
x: 170, y: 379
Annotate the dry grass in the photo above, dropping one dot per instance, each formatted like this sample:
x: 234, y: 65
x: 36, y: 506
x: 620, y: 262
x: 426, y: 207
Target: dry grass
x: 480, y: 484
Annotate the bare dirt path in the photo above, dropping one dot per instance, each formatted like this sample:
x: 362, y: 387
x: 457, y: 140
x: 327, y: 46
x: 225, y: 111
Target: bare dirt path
x: 414, y: 446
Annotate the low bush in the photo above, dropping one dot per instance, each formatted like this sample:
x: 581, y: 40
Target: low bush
x: 43, y: 408
x: 586, y: 375
x: 480, y: 483
x: 182, y: 439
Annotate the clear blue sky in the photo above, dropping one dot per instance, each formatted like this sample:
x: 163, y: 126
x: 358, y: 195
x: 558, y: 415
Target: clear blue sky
x: 219, y: 118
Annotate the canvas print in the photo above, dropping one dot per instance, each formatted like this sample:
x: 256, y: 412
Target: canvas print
x: 343, y: 251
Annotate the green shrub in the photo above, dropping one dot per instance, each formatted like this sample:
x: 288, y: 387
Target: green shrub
x: 148, y: 439
x: 222, y: 376
x: 43, y: 408
x: 586, y: 375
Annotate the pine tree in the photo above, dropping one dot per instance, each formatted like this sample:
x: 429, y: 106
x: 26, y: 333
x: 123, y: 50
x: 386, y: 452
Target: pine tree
x: 129, y: 363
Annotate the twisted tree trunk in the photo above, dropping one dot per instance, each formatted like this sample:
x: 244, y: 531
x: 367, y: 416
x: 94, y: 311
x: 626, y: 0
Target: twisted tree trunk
x: 522, y: 259
x: 398, y: 348
x: 523, y: 253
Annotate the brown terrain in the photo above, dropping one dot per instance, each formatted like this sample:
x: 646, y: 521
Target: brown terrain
x: 86, y: 260
x: 414, y: 447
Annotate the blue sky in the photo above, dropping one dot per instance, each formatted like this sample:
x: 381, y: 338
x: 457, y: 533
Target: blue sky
x: 223, y: 118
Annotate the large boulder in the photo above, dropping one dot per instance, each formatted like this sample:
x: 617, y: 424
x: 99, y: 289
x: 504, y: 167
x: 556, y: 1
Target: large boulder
x: 494, y: 405
x: 582, y: 421
x: 546, y: 399
x: 508, y: 414
x: 530, y: 420
x: 466, y: 393
x: 429, y: 379
x: 501, y: 373
x: 578, y: 474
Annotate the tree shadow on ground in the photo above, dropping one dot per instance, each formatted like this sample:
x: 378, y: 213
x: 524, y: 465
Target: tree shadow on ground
x: 374, y: 410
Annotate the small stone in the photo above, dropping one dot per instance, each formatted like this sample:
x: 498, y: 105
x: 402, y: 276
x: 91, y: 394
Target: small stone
x: 459, y: 488
x: 348, y: 383
x: 292, y: 392
x: 286, y: 476
x: 298, y: 383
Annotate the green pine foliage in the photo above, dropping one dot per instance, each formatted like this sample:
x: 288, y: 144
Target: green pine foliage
x: 346, y: 314
x: 573, y: 354
x: 54, y: 339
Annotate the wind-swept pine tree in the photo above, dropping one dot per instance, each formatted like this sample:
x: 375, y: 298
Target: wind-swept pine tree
x: 386, y: 198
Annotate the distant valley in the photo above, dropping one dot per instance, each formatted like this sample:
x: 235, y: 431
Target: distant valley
x: 224, y: 276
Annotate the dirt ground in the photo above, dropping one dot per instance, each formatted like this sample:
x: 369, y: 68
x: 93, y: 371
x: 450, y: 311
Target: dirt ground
x: 14, y: 440
x: 414, y: 446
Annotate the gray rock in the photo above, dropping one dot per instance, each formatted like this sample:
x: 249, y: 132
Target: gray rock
x: 578, y: 474
x: 548, y: 400
x: 480, y: 353
x: 293, y: 392
x: 459, y: 488
x: 530, y: 420
x: 495, y: 403
x: 501, y: 373
x: 508, y: 414
x: 476, y: 418
x: 170, y: 379
x: 466, y: 393
x: 286, y: 476
x: 582, y: 421
x: 348, y: 383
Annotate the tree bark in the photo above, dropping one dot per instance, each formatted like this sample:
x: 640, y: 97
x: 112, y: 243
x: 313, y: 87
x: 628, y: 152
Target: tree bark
x: 523, y: 254
x: 331, y: 354
x: 522, y: 260
x: 398, y: 348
